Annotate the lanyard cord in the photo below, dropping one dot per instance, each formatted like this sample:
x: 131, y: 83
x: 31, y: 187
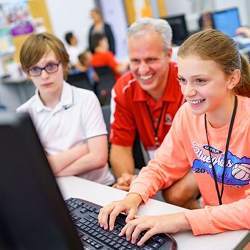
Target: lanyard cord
x: 156, y: 128
x: 220, y: 194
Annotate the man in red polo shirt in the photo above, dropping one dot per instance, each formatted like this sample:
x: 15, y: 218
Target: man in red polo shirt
x: 144, y: 101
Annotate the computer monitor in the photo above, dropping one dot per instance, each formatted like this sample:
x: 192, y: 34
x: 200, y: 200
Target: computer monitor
x: 226, y: 21
x: 33, y: 214
x: 179, y: 28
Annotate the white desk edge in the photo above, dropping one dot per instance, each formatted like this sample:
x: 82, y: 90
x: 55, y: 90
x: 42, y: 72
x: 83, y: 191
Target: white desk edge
x: 100, y: 194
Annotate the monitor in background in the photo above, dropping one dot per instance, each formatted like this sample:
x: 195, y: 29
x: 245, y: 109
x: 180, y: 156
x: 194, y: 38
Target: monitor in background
x: 227, y: 21
x: 179, y: 28
x: 32, y: 212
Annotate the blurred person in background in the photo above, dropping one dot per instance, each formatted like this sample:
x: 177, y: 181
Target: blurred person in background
x: 72, y: 48
x: 244, y: 31
x: 85, y: 65
x: 102, y: 56
x: 100, y: 27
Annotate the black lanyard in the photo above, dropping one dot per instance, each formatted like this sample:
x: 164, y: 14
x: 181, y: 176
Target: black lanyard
x: 156, y: 128
x: 220, y: 194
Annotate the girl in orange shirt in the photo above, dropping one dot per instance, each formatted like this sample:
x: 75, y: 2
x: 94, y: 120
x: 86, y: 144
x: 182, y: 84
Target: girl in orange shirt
x: 211, y: 135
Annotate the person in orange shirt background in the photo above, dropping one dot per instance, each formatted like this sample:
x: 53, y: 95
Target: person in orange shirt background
x: 85, y: 65
x: 107, y: 67
x: 102, y: 56
x: 210, y: 134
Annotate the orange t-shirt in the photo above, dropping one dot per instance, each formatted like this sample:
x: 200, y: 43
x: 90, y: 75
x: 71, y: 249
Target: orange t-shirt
x: 101, y: 59
x: 185, y: 147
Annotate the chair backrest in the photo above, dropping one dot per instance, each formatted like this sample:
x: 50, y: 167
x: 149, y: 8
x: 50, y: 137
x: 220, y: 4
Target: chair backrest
x: 80, y: 80
x: 106, y: 115
x: 106, y: 83
x: 29, y: 90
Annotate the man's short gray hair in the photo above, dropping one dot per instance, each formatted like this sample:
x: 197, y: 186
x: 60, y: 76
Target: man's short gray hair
x: 158, y: 25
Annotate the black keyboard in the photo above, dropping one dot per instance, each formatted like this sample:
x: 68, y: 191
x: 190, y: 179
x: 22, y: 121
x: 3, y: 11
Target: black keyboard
x: 84, y: 215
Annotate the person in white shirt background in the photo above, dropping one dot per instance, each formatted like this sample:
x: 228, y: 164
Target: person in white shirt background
x: 72, y: 48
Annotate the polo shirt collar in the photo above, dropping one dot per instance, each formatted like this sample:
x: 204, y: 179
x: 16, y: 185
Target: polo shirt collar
x: 66, y: 100
x: 168, y: 96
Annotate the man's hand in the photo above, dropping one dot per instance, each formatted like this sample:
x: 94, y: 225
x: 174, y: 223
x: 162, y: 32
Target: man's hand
x: 128, y: 205
x: 124, y: 181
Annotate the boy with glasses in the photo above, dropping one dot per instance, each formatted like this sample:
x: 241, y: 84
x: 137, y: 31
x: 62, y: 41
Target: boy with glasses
x: 68, y: 119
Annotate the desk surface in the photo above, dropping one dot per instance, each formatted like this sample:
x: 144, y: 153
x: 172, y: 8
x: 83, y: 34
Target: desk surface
x: 100, y: 194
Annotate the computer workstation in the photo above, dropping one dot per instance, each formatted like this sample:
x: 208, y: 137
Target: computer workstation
x: 33, y: 214
x: 228, y: 21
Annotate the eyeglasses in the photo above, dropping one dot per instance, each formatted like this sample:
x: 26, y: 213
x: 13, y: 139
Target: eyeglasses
x: 50, y: 68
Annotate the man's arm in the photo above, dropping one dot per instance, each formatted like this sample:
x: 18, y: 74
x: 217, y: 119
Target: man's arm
x: 95, y: 158
x: 122, y: 162
x: 121, y: 159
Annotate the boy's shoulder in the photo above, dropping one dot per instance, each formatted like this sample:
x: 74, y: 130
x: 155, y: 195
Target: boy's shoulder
x: 27, y: 106
x: 84, y: 97
x: 83, y: 92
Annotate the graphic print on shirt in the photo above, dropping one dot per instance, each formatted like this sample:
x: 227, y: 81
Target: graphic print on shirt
x: 237, y: 169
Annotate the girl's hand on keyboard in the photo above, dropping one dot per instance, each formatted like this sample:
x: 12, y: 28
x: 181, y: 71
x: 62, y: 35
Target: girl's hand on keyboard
x: 152, y: 225
x: 109, y: 213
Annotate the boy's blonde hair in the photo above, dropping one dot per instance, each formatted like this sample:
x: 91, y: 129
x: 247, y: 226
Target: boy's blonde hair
x: 37, y: 45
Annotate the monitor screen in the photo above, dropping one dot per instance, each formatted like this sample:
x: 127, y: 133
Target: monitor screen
x: 179, y: 28
x: 32, y: 212
x: 227, y: 21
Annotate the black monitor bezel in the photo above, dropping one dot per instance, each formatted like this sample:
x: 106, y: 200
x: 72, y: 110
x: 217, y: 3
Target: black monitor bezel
x: 178, y: 40
x: 33, y: 214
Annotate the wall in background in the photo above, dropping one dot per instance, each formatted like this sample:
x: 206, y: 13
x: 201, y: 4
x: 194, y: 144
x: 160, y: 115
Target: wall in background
x: 114, y: 14
x: 66, y: 15
x: 38, y: 8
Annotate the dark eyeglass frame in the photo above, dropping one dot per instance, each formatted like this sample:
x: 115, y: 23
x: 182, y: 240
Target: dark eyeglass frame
x: 46, y: 68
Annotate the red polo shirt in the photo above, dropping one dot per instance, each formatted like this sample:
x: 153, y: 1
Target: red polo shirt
x: 133, y: 109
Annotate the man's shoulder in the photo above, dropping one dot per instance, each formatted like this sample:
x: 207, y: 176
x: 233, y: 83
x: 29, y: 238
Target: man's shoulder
x: 125, y: 83
x: 173, y: 88
x: 173, y: 73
